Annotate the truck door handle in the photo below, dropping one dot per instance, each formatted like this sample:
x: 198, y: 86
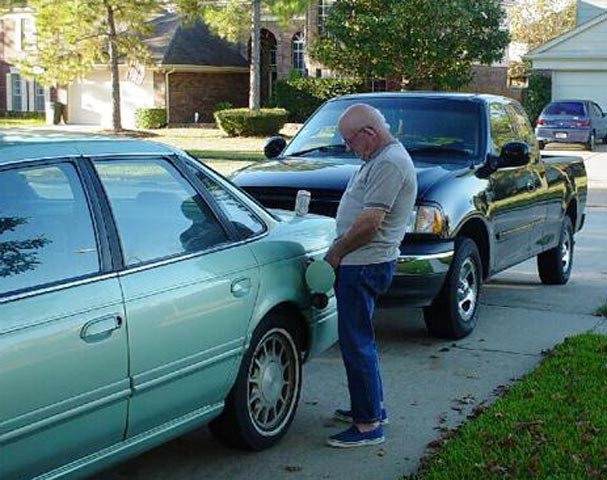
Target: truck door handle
x: 241, y: 287
x: 100, y: 328
x: 531, y: 186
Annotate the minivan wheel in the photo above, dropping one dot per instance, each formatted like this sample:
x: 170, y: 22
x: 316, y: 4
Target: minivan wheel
x: 262, y: 403
x: 554, y: 265
x: 453, y: 314
x: 591, y: 142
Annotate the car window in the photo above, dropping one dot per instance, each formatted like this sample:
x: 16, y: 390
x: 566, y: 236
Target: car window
x: 522, y: 122
x: 502, y: 130
x: 244, y: 221
x: 46, y: 231
x: 157, y: 212
x: 597, y: 110
x: 565, y: 108
x: 418, y: 123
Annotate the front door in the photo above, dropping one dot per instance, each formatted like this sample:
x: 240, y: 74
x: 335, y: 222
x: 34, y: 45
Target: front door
x: 64, y: 383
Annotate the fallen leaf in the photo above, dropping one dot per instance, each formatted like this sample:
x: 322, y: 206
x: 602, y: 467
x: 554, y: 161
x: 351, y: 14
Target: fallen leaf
x: 381, y: 452
x: 293, y: 468
x: 444, y: 349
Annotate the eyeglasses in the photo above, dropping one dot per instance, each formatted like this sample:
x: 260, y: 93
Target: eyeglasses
x: 352, y: 139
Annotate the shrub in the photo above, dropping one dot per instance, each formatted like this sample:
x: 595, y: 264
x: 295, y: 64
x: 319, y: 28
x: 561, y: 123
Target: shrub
x: 302, y: 96
x: 148, y: 118
x: 24, y: 115
x: 242, y: 122
x: 538, y: 95
x: 223, y: 106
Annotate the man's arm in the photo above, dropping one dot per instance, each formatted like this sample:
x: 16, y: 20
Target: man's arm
x: 360, y: 233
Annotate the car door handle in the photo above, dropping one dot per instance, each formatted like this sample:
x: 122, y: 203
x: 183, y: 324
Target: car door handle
x: 241, y: 287
x: 531, y: 186
x: 100, y: 328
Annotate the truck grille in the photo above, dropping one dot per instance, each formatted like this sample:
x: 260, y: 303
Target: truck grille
x: 323, y: 202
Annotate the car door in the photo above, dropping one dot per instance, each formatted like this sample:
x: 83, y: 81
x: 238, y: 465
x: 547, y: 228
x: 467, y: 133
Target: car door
x: 64, y: 383
x: 538, y: 196
x: 189, y: 289
x: 600, y: 121
x: 509, y: 196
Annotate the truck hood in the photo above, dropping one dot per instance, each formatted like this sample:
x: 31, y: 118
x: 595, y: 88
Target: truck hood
x: 329, y: 173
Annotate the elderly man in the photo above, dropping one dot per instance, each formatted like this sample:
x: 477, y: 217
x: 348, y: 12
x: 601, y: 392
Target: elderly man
x: 371, y: 221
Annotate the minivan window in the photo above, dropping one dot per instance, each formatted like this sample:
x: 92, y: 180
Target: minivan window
x: 157, y: 212
x: 565, y: 108
x: 46, y: 231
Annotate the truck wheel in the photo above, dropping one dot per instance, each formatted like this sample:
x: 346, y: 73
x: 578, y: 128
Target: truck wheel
x: 453, y: 314
x: 591, y: 142
x: 262, y: 403
x: 554, y: 265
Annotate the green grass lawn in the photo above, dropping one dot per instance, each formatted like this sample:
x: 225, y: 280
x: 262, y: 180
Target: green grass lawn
x: 551, y: 424
x: 8, y: 122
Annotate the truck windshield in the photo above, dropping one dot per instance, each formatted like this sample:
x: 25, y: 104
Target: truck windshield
x: 432, y: 127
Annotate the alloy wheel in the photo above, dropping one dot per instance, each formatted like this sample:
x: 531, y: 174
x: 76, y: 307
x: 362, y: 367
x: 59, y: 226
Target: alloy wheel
x: 273, y: 381
x: 467, y: 289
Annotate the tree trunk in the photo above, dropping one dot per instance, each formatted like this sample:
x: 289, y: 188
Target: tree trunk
x: 255, y: 77
x: 114, y: 72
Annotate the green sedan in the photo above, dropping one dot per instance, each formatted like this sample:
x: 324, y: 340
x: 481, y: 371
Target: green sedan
x: 142, y: 295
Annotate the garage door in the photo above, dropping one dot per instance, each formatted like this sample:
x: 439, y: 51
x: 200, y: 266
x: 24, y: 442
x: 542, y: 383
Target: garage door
x: 583, y: 85
x: 90, y: 100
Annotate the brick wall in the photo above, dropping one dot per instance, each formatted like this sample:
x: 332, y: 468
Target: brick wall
x: 200, y: 92
x: 492, y: 80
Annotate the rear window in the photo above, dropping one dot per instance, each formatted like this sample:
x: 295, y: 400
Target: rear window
x: 566, y: 108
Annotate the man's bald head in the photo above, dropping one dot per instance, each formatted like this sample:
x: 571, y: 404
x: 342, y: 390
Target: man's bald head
x: 361, y: 115
x: 364, y: 129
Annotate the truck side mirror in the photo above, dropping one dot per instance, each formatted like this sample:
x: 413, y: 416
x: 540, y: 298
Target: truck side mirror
x: 274, y: 146
x: 514, y: 154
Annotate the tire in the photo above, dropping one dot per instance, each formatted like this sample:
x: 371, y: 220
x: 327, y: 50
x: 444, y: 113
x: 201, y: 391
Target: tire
x: 590, y: 144
x: 541, y: 145
x: 262, y: 403
x: 454, y: 313
x: 554, y: 265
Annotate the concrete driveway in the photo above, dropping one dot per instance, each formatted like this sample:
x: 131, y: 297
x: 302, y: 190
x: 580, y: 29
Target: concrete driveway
x: 430, y: 384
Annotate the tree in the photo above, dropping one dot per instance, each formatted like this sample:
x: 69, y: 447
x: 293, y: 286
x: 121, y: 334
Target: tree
x: 229, y: 19
x: 18, y: 256
x: 74, y: 36
x: 535, y: 22
x: 425, y: 44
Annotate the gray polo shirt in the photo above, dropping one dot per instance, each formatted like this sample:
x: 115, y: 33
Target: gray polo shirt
x: 386, y: 181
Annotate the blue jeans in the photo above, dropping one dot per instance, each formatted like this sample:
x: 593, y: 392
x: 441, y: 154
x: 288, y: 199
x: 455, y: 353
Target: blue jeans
x: 357, y: 289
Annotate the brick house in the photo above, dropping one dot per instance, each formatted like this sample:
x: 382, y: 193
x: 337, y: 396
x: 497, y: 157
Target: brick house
x: 284, y: 50
x: 18, y: 94
x: 191, y: 71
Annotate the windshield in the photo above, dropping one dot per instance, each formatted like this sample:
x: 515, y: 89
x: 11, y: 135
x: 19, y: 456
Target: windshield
x: 575, y: 109
x: 448, y: 129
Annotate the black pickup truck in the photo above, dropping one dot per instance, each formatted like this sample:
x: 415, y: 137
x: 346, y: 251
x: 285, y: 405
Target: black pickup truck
x: 486, y: 199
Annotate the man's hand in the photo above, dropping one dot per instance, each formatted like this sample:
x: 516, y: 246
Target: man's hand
x: 333, y: 258
x: 364, y: 227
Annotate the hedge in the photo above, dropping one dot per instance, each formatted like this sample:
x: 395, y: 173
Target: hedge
x: 241, y: 122
x: 149, y: 118
x: 302, y: 96
x: 538, y: 95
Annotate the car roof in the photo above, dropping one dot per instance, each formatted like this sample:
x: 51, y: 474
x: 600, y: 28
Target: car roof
x: 22, y: 145
x: 423, y: 94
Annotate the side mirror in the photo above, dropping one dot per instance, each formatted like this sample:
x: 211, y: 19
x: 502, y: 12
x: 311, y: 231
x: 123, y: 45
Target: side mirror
x: 514, y: 154
x: 274, y: 146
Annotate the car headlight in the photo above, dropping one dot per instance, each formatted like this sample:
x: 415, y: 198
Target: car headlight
x: 426, y: 219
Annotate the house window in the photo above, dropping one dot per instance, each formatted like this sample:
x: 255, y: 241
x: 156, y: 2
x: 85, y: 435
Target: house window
x: 298, y: 52
x: 379, y: 85
x: 24, y: 95
x: 324, y: 6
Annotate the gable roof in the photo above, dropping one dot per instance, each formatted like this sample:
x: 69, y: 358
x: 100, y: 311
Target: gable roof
x: 173, y: 44
x: 542, y: 50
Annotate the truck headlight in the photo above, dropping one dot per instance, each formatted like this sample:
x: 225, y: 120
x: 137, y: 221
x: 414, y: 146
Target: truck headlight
x: 426, y: 219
